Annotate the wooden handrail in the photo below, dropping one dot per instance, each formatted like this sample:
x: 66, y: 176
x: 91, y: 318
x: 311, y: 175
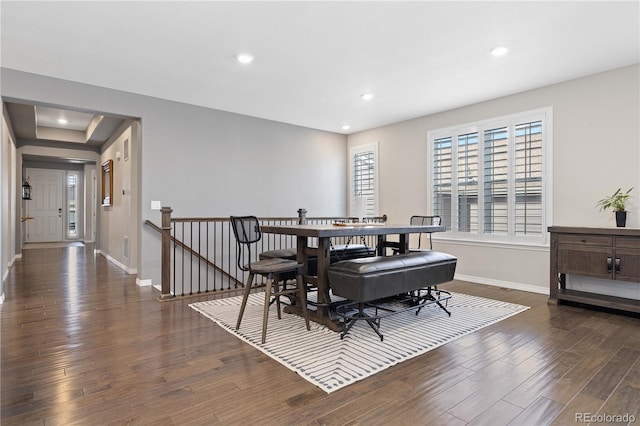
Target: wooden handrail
x: 272, y: 219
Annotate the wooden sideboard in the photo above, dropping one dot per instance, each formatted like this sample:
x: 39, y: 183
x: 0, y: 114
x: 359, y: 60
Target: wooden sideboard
x: 609, y: 253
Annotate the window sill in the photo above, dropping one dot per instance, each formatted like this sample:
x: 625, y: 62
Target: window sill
x: 512, y: 245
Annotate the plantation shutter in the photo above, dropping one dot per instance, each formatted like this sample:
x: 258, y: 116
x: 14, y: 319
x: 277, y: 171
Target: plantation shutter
x: 468, y: 182
x: 364, y: 182
x: 442, y: 179
x: 496, y: 181
x: 488, y: 178
x: 528, y: 178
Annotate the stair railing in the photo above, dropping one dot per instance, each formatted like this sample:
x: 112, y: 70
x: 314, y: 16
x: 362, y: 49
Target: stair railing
x: 199, y: 254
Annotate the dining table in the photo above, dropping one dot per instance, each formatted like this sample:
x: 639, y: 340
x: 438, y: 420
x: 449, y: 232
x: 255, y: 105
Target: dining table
x: 316, y: 240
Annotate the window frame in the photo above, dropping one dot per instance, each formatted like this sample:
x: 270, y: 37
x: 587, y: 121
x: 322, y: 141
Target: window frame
x: 353, y: 151
x: 545, y: 115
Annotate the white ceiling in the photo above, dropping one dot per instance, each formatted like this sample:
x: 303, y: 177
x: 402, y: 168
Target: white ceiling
x: 74, y: 120
x: 313, y: 60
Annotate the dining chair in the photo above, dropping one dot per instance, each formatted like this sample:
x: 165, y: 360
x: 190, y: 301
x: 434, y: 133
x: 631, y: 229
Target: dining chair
x: 418, y: 294
x: 424, y: 220
x: 247, y: 232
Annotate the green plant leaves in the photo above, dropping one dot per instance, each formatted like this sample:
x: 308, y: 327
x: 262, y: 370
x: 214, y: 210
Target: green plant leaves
x: 617, y: 201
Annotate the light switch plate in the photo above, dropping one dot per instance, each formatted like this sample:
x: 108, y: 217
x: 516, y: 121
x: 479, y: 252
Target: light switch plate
x: 156, y: 205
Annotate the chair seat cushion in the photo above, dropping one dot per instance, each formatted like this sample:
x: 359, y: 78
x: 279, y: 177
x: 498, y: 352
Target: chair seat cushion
x: 289, y: 253
x: 274, y: 266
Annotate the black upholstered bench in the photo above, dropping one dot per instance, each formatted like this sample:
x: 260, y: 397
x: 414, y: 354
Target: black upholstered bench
x: 367, y: 280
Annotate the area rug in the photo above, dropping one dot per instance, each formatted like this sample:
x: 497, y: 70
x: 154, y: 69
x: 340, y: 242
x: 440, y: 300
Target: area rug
x: 322, y: 358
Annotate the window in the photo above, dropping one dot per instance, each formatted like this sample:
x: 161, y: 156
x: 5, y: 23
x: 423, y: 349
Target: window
x: 489, y: 180
x: 363, y: 181
x: 73, y: 206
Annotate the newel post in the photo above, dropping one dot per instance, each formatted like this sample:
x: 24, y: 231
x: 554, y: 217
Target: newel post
x: 166, y: 253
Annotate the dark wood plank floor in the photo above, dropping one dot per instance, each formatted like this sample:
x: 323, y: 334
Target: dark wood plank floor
x: 82, y: 344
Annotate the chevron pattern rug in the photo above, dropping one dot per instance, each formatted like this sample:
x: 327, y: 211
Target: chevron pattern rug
x: 322, y: 358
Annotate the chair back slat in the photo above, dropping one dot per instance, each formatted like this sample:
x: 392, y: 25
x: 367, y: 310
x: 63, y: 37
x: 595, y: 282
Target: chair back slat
x: 246, y: 229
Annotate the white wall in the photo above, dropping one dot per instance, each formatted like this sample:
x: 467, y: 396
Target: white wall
x: 203, y: 162
x: 5, y: 167
x: 8, y: 200
x: 596, y: 149
x: 90, y: 202
x: 119, y: 221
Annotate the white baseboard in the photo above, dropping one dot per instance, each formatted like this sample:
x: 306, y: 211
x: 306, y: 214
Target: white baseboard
x: 15, y: 257
x: 6, y: 274
x: 144, y: 283
x: 118, y: 263
x: 505, y: 284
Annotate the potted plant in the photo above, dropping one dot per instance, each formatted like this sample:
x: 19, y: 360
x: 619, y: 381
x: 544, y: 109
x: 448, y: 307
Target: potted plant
x: 617, y: 202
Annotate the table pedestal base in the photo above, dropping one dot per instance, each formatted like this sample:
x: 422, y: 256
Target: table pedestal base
x: 317, y: 316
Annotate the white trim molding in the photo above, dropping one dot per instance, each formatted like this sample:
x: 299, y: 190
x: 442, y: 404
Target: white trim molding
x: 118, y: 263
x: 504, y: 284
x: 144, y: 283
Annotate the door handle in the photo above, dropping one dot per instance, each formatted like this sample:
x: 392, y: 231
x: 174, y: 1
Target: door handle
x: 60, y: 212
x: 617, y: 265
x: 609, y: 264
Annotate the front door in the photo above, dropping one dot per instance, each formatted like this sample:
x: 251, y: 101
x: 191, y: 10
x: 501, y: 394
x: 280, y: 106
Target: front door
x: 46, y: 207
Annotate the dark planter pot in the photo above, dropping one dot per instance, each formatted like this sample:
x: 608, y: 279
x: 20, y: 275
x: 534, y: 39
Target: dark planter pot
x: 621, y: 219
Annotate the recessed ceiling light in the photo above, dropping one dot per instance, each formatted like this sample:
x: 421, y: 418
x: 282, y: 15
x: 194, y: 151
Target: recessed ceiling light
x: 244, y: 58
x: 345, y: 127
x: 499, y: 51
x: 367, y: 96
x: 62, y: 121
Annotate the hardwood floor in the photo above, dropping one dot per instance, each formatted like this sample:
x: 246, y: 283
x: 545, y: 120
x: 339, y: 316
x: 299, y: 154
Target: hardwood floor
x: 82, y: 344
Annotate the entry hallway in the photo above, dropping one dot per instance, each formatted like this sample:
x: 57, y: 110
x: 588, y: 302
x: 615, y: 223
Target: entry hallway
x: 82, y: 344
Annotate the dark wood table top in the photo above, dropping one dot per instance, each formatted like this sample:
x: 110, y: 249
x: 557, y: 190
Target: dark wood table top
x: 329, y: 230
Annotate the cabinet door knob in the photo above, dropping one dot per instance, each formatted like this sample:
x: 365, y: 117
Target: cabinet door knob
x: 609, y: 264
x: 617, y: 265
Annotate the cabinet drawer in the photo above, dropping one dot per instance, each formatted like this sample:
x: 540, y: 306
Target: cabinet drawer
x: 628, y: 242
x: 580, y: 260
x: 587, y: 240
x: 627, y: 262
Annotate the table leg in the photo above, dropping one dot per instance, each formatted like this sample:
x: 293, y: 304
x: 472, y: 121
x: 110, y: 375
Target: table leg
x: 320, y: 314
x: 404, y: 243
x: 382, y: 246
x: 324, y: 259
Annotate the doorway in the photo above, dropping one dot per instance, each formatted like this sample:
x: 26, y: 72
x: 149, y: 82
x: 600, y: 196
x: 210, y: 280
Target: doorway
x: 56, y: 208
